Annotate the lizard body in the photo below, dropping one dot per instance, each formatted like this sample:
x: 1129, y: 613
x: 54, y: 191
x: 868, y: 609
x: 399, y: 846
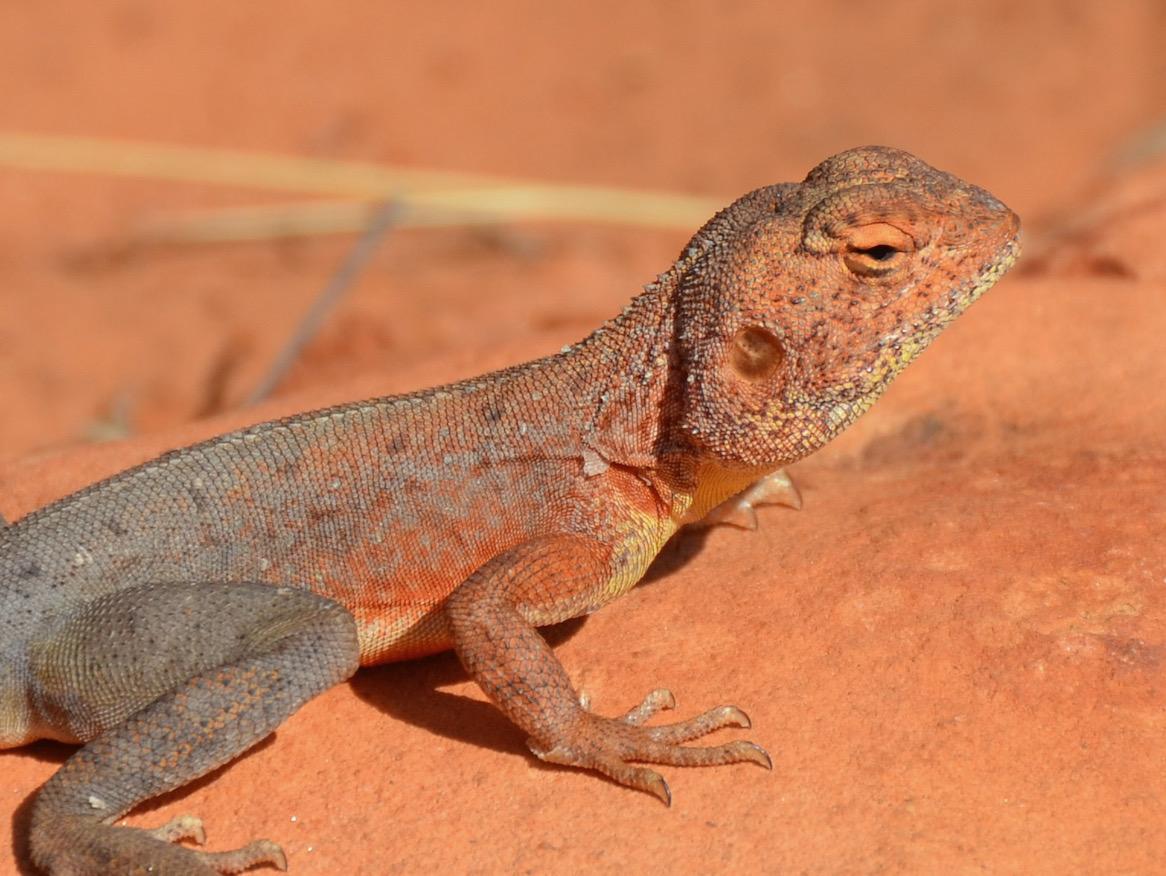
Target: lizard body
x: 171, y: 616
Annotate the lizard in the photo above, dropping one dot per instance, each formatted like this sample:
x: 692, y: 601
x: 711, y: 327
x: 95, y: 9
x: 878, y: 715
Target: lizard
x: 170, y: 617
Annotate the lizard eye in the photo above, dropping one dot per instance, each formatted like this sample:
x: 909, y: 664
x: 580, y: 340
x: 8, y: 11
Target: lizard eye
x: 879, y: 253
x: 876, y: 250
x: 873, y: 261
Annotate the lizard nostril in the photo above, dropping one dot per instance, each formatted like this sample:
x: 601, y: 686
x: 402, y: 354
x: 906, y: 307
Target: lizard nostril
x: 757, y: 353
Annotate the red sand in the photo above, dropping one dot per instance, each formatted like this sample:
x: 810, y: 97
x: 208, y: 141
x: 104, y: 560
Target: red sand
x: 954, y: 651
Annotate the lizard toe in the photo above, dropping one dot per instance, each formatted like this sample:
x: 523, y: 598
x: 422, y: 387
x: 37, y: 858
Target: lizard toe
x: 639, y: 779
x: 659, y: 700
x: 702, y: 725
x: 611, y: 745
x: 250, y: 855
x: 83, y: 844
x: 184, y: 827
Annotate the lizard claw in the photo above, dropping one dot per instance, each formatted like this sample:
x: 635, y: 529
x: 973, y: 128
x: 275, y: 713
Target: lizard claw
x: 753, y: 753
x: 654, y: 784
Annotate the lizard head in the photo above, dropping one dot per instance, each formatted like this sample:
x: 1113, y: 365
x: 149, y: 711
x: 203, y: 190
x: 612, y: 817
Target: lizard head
x: 799, y: 303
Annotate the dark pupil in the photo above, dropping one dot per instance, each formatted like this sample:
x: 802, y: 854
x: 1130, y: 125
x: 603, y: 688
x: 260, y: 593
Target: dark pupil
x: 879, y: 253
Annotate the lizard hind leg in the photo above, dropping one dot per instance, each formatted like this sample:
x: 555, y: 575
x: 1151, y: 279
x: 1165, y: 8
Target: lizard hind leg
x: 168, y: 682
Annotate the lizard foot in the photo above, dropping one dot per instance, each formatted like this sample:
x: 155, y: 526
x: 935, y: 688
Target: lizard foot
x: 81, y: 845
x: 250, y: 855
x: 188, y: 827
x: 608, y: 744
x: 740, y: 510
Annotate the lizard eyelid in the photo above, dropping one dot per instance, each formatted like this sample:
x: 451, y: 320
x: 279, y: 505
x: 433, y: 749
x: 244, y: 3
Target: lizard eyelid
x: 875, y: 261
x: 876, y: 250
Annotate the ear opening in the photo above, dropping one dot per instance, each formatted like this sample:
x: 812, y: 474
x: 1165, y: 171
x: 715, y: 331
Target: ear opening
x: 756, y: 353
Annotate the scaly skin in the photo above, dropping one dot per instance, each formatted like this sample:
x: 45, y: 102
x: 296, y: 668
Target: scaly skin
x: 173, y: 615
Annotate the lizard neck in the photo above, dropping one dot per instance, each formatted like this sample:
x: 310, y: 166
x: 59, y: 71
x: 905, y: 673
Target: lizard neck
x: 630, y: 414
x: 632, y: 405
x: 627, y: 402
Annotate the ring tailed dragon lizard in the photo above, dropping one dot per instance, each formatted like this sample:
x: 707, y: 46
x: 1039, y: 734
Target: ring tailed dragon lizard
x: 172, y: 616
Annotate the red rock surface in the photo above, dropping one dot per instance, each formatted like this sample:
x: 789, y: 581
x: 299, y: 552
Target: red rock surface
x: 954, y: 651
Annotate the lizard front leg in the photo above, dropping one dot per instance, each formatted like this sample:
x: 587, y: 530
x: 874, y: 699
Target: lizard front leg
x: 167, y: 682
x: 775, y: 488
x: 493, y: 615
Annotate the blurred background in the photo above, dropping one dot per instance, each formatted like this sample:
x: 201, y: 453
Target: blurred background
x: 113, y: 322
x: 955, y: 650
